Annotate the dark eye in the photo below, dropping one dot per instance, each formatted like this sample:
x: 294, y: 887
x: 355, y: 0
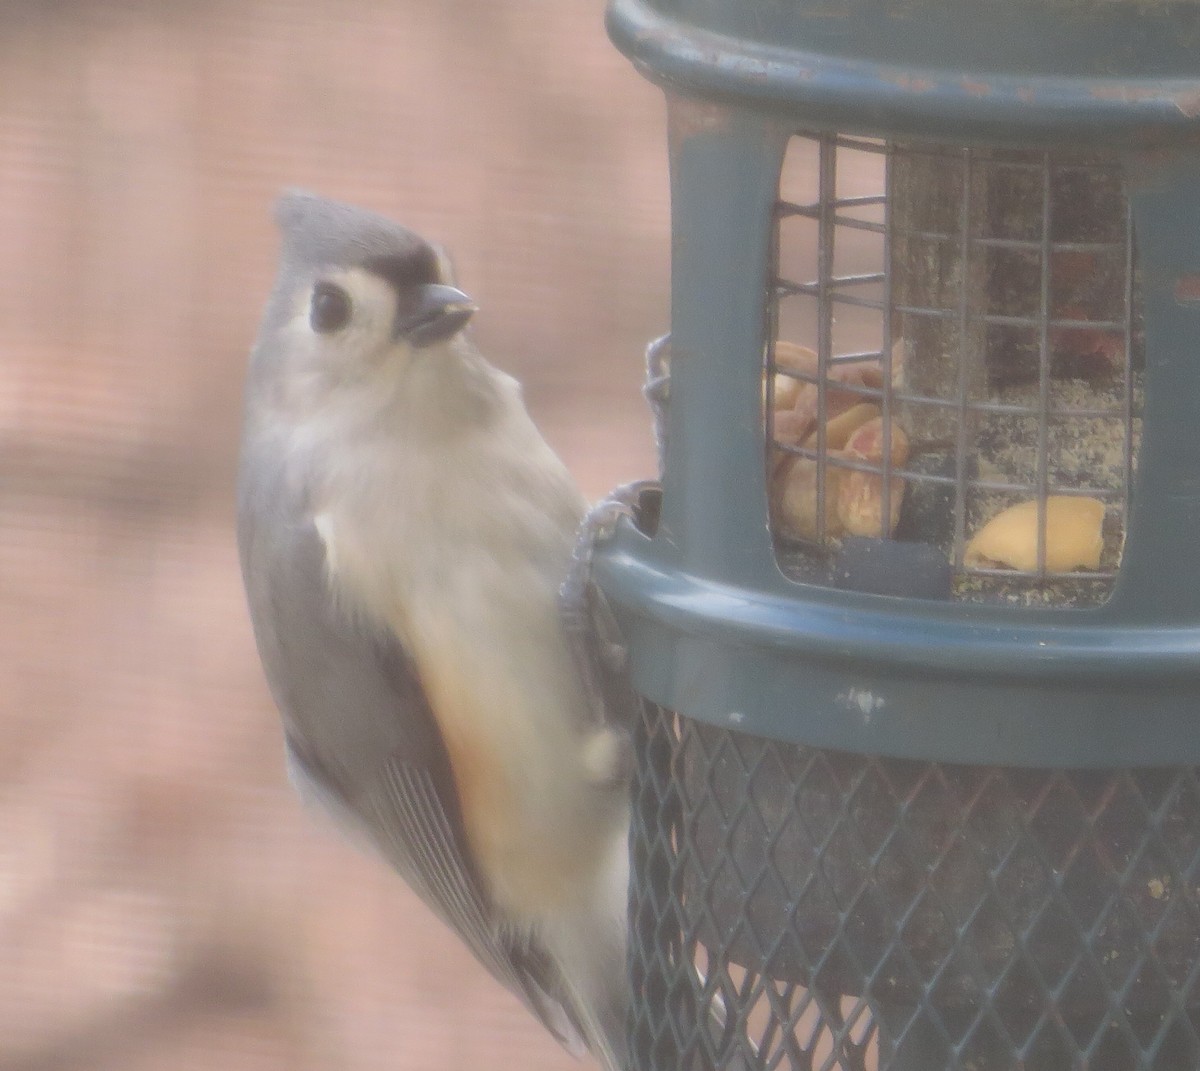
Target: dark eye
x: 330, y: 309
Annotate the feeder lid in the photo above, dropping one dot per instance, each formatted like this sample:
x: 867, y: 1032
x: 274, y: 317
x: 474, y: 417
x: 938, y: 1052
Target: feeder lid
x: 1094, y: 71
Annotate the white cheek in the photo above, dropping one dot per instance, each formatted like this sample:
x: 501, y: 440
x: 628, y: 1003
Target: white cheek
x: 337, y: 356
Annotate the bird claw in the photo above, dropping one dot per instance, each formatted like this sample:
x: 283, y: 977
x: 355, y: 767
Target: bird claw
x: 600, y: 526
x: 593, y: 636
x: 591, y: 629
x: 600, y: 523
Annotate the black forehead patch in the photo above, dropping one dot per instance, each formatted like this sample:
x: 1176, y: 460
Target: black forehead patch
x: 416, y: 267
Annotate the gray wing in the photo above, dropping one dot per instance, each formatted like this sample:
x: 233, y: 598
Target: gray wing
x: 360, y: 735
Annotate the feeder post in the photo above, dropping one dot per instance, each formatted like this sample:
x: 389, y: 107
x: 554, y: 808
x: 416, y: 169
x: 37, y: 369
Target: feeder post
x: 724, y: 179
x: 1163, y: 546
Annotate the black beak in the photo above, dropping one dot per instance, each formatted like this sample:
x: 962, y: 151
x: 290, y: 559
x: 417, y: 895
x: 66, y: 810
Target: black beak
x: 438, y: 312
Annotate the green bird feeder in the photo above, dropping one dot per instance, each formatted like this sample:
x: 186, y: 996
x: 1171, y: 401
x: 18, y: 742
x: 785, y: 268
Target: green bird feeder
x: 917, y: 615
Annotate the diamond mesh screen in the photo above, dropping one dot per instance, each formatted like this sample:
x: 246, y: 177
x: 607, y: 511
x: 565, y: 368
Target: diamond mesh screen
x: 800, y: 909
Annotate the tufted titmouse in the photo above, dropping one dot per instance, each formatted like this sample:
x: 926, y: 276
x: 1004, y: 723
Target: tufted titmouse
x: 403, y: 531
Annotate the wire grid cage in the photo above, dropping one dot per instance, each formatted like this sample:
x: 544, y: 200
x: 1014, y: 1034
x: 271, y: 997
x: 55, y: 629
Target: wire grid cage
x: 799, y: 908
x: 956, y: 364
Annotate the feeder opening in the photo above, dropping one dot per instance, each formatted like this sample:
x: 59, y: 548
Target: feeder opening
x: 953, y: 380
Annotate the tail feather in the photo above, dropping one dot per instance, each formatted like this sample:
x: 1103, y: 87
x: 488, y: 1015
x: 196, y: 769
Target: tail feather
x: 591, y: 959
x: 588, y: 944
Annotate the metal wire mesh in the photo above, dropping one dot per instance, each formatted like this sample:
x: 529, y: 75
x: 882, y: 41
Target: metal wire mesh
x: 797, y: 908
x: 959, y: 343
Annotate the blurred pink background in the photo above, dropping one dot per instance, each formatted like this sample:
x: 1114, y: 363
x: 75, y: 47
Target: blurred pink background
x: 165, y: 903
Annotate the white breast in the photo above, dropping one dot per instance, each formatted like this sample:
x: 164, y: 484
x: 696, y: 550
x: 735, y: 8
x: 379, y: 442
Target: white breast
x: 456, y: 540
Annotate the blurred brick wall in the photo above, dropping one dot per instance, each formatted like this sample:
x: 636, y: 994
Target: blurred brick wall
x: 164, y: 902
